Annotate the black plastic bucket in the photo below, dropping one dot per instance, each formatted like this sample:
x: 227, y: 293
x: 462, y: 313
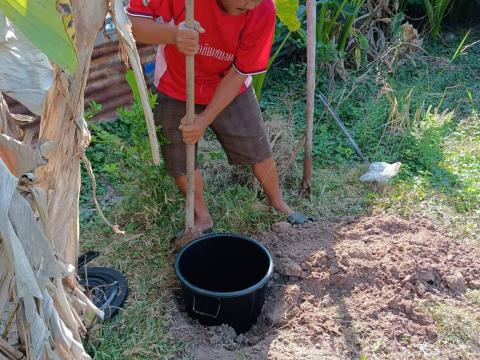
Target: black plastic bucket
x: 224, y: 277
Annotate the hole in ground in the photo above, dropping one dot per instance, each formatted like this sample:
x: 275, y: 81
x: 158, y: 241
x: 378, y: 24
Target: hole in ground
x: 225, y: 336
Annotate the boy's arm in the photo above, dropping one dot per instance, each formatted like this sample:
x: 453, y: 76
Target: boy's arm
x: 148, y: 31
x: 226, y: 91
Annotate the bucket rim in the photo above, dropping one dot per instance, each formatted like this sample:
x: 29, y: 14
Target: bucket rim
x: 229, y: 294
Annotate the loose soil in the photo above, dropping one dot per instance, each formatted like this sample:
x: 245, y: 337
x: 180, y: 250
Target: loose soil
x: 346, y: 288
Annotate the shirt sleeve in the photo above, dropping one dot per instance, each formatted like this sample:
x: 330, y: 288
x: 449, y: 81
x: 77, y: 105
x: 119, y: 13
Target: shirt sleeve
x: 152, y: 9
x: 255, y: 43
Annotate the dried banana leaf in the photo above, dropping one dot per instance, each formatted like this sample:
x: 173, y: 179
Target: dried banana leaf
x: 36, y: 246
x: 8, y: 351
x: 127, y: 42
x: 25, y: 280
x: 19, y: 158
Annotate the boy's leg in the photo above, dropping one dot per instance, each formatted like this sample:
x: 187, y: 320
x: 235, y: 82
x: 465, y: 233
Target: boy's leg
x: 203, y: 220
x: 242, y: 134
x: 267, y: 174
x: 168, y: 113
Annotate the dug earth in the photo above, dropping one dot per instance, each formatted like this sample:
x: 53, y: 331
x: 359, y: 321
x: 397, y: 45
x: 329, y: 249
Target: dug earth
x: 346, y: 288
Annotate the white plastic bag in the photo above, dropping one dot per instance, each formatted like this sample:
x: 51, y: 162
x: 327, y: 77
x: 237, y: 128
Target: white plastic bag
x: 381, y: 172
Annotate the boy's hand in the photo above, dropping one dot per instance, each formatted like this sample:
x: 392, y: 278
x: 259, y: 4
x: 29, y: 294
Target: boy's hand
x: 186, y: 40
x: 194, y: 132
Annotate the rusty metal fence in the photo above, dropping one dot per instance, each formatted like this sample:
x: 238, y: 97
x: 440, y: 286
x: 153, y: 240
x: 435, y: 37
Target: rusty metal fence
x: 106, y: 83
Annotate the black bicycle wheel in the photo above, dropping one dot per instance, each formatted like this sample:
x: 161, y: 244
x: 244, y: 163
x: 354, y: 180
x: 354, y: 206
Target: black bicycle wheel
x: 106, y: 287
x: 85, y: 258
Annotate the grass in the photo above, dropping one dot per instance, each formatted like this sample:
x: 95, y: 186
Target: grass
x: 448, y: 191
x: 474, y: 297
x: 140, y: 332
x: 425, y: 114
x: 458, y: 329
x: 436, y: 11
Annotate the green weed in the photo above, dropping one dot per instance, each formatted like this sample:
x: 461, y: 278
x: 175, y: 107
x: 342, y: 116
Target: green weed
x: 436, y: 11
x: 140, y: 331
x: 93, y: 109
x: 458, y: 328
x: 474, y: 296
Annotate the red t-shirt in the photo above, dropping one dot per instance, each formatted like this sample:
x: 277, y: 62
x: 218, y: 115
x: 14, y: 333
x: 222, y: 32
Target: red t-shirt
x: 242, y: 41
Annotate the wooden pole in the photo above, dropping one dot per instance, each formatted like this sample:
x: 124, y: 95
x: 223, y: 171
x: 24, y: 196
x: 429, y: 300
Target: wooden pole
x: 311, y: 50
x: 190, y: 63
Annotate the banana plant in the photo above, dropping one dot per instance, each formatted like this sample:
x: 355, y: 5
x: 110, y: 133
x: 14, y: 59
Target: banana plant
x: 25, y: 72
x: 48, y: 24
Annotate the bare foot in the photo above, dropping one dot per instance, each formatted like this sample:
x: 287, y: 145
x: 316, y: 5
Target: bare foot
x: 203, y: 224
x: 283, y: 208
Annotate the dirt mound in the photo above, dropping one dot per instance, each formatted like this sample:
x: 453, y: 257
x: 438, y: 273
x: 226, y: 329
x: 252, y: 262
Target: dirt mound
x: 345, y: 288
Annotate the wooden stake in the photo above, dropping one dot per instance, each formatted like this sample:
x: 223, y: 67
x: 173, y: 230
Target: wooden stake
x: 311, y: 50
x: 190, y: 63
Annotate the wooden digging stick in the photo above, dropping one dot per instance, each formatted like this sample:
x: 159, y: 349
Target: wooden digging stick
x: 306, y: 184
x: 190, y: 63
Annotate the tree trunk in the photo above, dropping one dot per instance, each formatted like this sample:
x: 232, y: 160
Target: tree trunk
x: 62, y: 122
x: 311, y: 50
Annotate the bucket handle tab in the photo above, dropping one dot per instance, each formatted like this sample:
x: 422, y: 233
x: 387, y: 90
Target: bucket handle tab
x: 204, y: 313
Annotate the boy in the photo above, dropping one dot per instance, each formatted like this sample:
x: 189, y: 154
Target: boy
x: 232, y: 42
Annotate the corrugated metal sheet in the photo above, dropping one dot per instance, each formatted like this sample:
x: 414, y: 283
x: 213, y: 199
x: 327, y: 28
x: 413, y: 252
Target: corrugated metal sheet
x: 106, y: 84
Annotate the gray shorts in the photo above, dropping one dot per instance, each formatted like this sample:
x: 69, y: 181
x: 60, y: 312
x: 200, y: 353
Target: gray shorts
x: 239, y: 128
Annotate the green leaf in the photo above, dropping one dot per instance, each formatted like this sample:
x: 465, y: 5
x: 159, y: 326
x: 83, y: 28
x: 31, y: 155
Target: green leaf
x: 349, y: 10
x: 397, y: 21
x: 303, y: 35
x: 287, y: 13
x: 45, y: 23
x: 430, y: 13
x: 363, y: 42
x: 132, y: 82
x: 460, y: 47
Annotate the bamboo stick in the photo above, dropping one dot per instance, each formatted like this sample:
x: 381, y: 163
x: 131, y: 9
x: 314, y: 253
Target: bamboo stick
x: 190, y: 64
x: 311, y: 50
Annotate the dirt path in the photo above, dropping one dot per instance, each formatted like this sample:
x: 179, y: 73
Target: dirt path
x: 343, y: 289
